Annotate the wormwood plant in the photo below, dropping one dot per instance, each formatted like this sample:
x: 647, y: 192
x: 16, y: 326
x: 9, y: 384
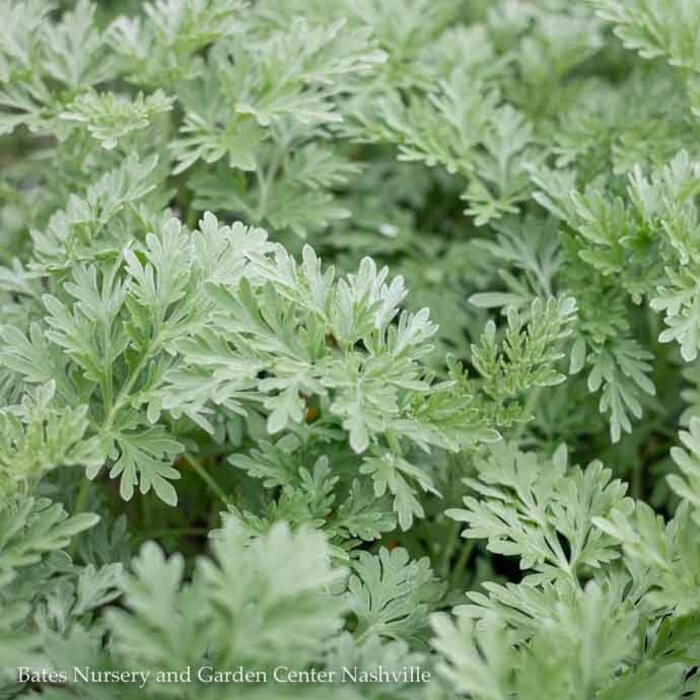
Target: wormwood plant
x: 350, y: 334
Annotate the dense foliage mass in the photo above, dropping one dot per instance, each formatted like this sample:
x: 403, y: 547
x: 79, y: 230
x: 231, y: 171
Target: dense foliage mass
x: 347, y: 334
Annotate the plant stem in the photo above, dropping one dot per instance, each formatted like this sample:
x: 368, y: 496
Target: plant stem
x: 125, y: 391
x: 528, y: 408
x: 464, y: 555
x: 81, y: 499
x: 79, y: 507
x: 450, y: 544
x: 209, y: 480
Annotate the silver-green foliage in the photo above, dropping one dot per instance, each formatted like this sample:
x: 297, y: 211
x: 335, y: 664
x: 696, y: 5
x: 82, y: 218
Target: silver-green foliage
x: 294, y: 293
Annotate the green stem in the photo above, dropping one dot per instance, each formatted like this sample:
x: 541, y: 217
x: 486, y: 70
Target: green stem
x: 81, y: 499
x: 461, y: 562
x: 125, y: 391
x: 450, y: 544
x: 79, y: 507
x: 209, y: 480
x: 528, y: 408
x: 394, y: 444
x: 265, y: 180
x: 653, y: 322
x: 263, y: 185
